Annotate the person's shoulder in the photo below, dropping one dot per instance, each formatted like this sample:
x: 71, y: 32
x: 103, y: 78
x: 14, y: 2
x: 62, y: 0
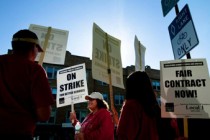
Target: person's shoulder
x: 104, y: 111
x: 40, y: 69
x: 36, y: 65
x: 4, y: 56
x: 132, y: 102
x: 35, y: 68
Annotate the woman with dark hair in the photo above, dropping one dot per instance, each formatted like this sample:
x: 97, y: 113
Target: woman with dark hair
x: 98, y: 125
x: 138, y: 117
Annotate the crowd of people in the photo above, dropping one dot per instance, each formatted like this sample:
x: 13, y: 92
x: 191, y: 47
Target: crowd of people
x: 26, y: 98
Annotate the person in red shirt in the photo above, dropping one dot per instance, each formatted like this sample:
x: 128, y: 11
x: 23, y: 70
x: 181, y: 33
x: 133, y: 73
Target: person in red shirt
x: 138, y: 115
x: 98, y: 125
x: 25, y: 94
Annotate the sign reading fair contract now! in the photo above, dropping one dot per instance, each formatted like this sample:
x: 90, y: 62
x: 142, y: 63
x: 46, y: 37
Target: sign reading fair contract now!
x: 185, y: 88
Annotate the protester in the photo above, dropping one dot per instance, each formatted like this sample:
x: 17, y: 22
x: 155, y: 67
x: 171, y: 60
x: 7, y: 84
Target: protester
x: 138, y: 117
x: 25, y: 94
x: 98, y: 124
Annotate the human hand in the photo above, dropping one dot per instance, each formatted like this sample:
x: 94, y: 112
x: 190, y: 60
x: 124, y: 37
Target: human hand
x: 79, y: 136
x: 72, y: 116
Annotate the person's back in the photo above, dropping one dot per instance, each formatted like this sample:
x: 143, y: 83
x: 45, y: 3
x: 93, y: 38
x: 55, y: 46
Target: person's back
x: 135, y: 124
x: 25, y: 94
x: 138, y: 117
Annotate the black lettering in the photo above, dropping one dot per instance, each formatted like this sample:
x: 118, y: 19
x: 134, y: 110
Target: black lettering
x: 167, y: 84
x: 185, y: 83
x: 61, y: 88
x: 71, y: 76
x: 72, y: 85
x: 184, y: 73
x: 185, y: 93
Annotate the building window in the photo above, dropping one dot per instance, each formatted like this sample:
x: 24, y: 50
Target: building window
x: 51, y: 72
x: 156, y: 85
x: 87, y: 74
x: 105, y: 96
x: 101, y: 83
x: 54, y: 90
x: 118, y: 99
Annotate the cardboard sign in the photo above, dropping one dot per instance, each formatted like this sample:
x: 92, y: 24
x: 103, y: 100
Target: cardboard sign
x: 185, y: 89
x: 71, y: 85
x: 100, y: 58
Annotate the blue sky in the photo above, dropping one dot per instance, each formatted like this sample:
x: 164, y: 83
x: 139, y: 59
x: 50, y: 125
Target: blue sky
x: 122, y: 19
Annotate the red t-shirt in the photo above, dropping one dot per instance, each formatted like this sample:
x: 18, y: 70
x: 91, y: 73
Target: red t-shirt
x: 98, y: 126
x: 23, y: 88
x: 134, y: 124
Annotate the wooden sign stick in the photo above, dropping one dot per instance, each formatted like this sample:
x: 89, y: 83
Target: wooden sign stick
x: 41, y: 58
x: 115, y: 114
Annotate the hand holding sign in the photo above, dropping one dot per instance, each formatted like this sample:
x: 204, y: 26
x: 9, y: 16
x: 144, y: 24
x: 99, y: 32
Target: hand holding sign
x: 72, y: 117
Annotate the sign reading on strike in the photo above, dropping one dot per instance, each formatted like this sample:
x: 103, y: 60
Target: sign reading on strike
x: 71, y: 85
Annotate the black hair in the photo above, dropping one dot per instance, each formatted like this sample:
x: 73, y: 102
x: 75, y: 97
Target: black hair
x: 102, y: 104
x: 138, y: 87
